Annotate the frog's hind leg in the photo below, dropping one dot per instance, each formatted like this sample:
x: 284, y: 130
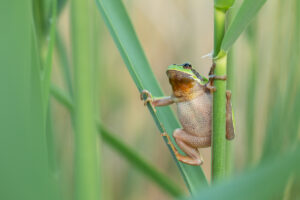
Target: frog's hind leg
x: 229, y: 119
x: 190, y: 144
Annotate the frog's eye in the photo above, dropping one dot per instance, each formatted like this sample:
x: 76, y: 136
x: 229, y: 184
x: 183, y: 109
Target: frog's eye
x: 187, y: 66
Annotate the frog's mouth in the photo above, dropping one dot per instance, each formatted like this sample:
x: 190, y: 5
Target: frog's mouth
x: 179, y: 76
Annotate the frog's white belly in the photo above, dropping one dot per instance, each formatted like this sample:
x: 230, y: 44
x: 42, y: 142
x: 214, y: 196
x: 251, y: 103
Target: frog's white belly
x: 195, y: 115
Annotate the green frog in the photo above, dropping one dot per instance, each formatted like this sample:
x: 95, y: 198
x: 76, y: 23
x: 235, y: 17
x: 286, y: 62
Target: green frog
x: 193, y: 95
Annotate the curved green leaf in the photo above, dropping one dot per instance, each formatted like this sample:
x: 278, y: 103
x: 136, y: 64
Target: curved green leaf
x: 246, y: 13
x: 122, y: 31
x: 265, y: 182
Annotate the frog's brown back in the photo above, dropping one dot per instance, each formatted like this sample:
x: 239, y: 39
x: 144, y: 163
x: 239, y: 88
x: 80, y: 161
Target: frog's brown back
x: 195, y: 114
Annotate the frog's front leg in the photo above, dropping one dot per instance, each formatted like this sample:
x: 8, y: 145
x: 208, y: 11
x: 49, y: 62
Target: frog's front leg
x: 229, y: 119
x: 211, y: 77
x: 160, y: 101
x: 190, y: 144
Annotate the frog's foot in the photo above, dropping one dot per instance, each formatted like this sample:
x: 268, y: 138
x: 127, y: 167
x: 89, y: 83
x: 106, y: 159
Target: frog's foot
x: 189, y: 160
x: 148, y: 95
x: 185, y: 159
x: 213, y: 77
x: 229, y: 120
x: 210, y: 85
x: 189, y: 144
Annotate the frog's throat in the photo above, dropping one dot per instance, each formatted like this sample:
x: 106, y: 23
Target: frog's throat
x: 187, y: 90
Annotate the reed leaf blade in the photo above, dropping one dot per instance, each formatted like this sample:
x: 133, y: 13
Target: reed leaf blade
x: 244, y: 16
x: 122, y: 31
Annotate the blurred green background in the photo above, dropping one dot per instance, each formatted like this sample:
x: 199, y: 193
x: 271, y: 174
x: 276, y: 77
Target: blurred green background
x: 37, y: 136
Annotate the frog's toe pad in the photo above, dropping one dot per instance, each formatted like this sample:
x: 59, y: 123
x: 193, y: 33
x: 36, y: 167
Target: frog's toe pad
x: 146, y: 93
x: 148, y: 96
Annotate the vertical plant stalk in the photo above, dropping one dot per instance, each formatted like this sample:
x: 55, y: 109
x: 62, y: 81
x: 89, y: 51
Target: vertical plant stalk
x: 219, y: 100
x: 252, y: 86
x: 230, y: 86
x: 86, y: 150
x: 229, y: 157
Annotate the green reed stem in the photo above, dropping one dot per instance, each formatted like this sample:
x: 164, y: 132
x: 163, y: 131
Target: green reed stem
x: 229, y: 158
x: 87, y: 173
x: 219, y: 101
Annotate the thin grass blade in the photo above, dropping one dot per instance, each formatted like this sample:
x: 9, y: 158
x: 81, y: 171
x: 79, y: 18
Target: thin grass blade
x: 46, y: 75
x: 129, y: 154
x: 244, y: 16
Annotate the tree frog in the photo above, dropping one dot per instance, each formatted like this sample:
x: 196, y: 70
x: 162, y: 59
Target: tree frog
x: 192, y: 94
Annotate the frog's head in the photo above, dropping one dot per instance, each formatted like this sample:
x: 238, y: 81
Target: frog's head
x: 183, y: 78
x: 184, y: 73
